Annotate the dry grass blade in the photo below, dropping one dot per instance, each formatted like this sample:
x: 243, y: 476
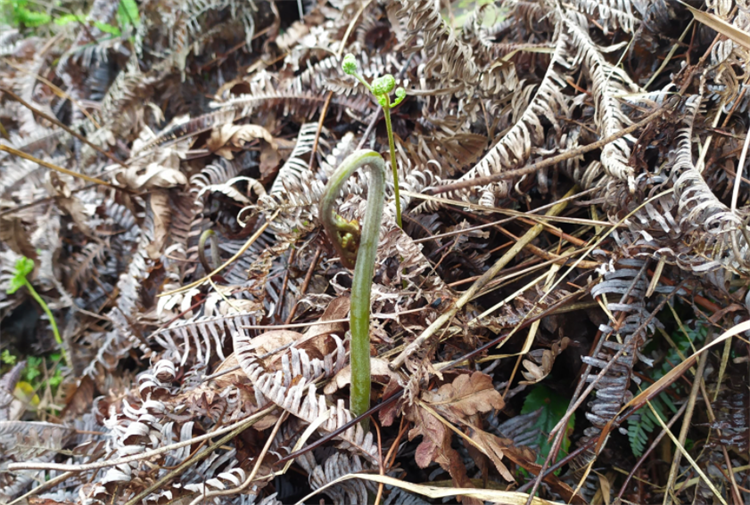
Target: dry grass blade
x: 507, y: 497
x: 732, y: 32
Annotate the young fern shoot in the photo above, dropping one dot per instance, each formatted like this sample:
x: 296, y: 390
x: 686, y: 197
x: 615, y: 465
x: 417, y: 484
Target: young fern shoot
x: 24, y: 267
x: 357, y: 249
x: 381, y: 88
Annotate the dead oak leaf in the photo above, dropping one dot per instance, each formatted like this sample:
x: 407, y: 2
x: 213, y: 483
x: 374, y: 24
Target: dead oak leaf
x: 465, y: 396
x: 436, y: 446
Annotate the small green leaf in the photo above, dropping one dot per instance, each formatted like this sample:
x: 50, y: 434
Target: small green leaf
x: 127, y: 13
x: 31, y: 18
x: 7, y: 358
x: 56, y: 379
x: 32, y: 368
x: 24, y: 266
x: 553, y: 407
x: 65, y: 19
x: 16, y: 283
x: 112, y: 30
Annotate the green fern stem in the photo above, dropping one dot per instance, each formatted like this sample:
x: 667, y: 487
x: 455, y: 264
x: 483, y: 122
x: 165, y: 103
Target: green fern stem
x: 52, y: 321
x: 392, y: 147
x: 351, y: 246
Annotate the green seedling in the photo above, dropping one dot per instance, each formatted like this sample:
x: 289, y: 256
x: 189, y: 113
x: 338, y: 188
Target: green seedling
x: 357, y: 250
x: 24, y: 267
x: 381, y: 88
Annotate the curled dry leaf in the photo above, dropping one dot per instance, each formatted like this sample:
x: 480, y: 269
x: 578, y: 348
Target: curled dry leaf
x: 69, y: 203
x: 379, y: 371
x: 231, y: 137
x: 272, y: 340
x: 540, y: 361
x: 316, y: 336
x: 229, y: 378
x: 464, y: 397
x: 151, y: 176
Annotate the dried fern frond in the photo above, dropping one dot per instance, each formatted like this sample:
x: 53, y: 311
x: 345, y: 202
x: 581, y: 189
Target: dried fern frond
x: 292, y: 388
x: 447, y: 59
x: 352, y: 491
x: 515, y: 147
x: 714, y: 231
x: 608, y: 82
x: 611, y: 14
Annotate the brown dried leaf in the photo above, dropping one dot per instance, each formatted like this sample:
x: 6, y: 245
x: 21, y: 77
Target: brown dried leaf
x: 541, y: 360
x: 465, y: 396
x: 151, y: 176
x: 69, y: 203
x: 388, y: 414
x: 273, y: 340
x: 379, y: 370
x: 229, y: 378
x: 317, y: 336
x: 231, y: 137
x: 159, y: 203
x: 78, y: 396
x: 14, y: 235
x: 270, y: 159
x: 436, y: 446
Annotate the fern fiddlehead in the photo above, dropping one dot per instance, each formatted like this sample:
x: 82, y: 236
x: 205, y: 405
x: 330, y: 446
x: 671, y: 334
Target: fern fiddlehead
x: 381, y: 88
x: 351, y: 244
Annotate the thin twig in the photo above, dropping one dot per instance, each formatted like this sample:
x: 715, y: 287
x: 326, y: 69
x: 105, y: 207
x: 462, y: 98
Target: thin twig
x: 381, y: 466
x: 320, y: 128
x: 62, y: 170
x: 60, y: 125
x: 303, y: 289
x: 280, y: 305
